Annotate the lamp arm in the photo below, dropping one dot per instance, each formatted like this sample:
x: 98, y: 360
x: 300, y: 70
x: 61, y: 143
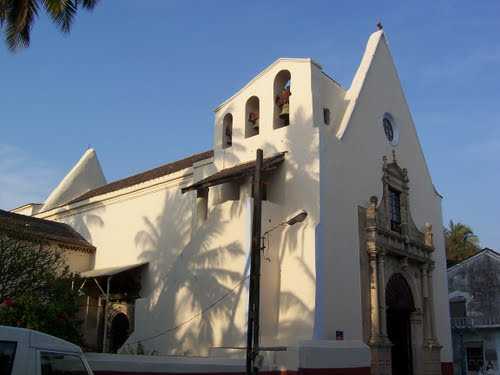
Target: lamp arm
x: 273, y: 228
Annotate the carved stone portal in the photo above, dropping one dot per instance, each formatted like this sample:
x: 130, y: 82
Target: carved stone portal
x: 396, y: 267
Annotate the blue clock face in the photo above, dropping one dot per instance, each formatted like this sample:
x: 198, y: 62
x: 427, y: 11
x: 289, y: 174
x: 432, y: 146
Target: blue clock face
x: 388, y: 129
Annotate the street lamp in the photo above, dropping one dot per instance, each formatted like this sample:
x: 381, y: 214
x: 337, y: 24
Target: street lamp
x: 297, y: 217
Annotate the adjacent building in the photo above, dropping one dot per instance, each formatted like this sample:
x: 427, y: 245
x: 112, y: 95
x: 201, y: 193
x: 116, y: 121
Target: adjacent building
x: 357, y: 285
x: 474, y: 293
x: 49, y: 236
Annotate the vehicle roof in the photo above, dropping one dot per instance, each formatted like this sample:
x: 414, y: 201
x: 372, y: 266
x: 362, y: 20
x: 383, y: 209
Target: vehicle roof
x: 37, y: 339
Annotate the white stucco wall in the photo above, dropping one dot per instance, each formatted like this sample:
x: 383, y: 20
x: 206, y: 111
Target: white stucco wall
x: 311, y: 271
x: 295, y: 187
x: 351, y: 172
x: 84, y: 176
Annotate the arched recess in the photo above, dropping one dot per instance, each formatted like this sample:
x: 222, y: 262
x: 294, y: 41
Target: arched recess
x: 400, y: 304
x: 252, y: 116
x: 398, y: 294
x: 413, y: 283
x: 120, y: 330
x: 227, y: 131
x: 282, y: 93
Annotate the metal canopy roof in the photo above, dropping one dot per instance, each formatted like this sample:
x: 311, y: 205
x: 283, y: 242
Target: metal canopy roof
x: 236, y: 172
x: 110, y: 271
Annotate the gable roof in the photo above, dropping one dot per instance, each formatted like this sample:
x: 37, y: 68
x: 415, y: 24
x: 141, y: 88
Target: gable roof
x: 484, y: 252
x: 151, y: 174
x: 34, y: 229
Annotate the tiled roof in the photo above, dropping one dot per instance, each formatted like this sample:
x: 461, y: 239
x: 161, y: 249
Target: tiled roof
x: 236, y: 172
x: 151, y: 174
x: 40, y: 230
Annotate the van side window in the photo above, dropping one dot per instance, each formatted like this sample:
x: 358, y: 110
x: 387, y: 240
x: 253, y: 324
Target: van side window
x: 7, y: 355
x: 62, y: 364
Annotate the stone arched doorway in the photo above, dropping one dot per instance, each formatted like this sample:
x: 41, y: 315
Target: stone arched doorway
x: 120, y: 328
x: 400, y: 304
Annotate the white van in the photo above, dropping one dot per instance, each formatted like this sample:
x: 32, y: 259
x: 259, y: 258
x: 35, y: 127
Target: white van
x: 27, y: 352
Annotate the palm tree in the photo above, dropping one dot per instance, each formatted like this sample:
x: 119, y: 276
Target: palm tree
x: 461, y: 242
x: 18, y: 16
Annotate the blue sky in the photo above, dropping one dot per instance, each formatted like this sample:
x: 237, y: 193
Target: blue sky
x: 137, y: 81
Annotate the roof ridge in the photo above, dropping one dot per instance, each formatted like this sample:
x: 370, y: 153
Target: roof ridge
x: 147, y: 175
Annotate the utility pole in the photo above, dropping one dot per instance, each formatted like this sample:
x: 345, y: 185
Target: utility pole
x: 254, y: 292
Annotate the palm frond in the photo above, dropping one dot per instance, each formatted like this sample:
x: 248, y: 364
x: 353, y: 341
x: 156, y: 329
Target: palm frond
x: 87, y: 4
x: 19, y: 19
x: 4, y: 7
x: 62, y: 12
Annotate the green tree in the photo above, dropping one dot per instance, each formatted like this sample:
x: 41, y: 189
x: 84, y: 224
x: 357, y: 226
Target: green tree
x: 35, y: 290
x: 461, y: 242
x: 18, y: 17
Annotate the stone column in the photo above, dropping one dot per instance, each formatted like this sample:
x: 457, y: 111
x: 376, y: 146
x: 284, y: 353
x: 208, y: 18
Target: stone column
x: 431, y: 349
x: 432, y: 316
x: 374, y: 298
x: 381, y: 295
x: 416, y: 340
x: 425, y: 302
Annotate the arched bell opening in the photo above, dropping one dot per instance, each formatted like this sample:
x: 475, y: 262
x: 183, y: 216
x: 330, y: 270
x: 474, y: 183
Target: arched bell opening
x: 120, y: 328
x: 252, y: 116
x: 227, y: 131
x: 282, y: 93
x: 400, y: 305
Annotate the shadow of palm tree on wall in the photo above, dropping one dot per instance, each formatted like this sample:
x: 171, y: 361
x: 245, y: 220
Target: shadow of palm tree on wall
x: 188, y: 273
x: 188, y: 268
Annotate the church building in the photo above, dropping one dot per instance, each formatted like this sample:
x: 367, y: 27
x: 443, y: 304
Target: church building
x: 359, y: 285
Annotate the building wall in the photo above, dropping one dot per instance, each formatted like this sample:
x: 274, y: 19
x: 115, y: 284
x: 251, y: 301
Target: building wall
x: 78, y: 261
x: 311, y: 271
x: 476, y: 281
x: 294, y: 187
x: 193, y: 261
x: 351, y: 172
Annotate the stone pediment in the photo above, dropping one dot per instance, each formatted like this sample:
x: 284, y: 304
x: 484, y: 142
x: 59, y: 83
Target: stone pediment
x: 401, y: 236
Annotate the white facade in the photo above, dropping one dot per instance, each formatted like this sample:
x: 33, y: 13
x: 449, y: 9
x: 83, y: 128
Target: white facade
x: 311, y: 279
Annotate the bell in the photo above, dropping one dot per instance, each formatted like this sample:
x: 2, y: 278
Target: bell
x: 285, y: 112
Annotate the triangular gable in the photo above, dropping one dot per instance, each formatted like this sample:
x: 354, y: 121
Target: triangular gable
x: 84, y: 176
x: 358, y: 81
x: 485, y: 252
x: 377, y: 81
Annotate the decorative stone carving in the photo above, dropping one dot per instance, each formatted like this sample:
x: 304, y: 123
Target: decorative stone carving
x: 399, y: 248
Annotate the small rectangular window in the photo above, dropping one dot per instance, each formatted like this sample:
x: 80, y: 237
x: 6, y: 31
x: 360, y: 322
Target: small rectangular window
x: 395, y: 210
x: 458, y: 309
x: 326, y: 116
x: 202, y: 204
x: 62, y: 364
x: 7, y: 355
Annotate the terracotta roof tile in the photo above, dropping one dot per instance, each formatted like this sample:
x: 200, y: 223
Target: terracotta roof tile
x: 151, y: 174
x: 236, y: 172
x: 35, y: 229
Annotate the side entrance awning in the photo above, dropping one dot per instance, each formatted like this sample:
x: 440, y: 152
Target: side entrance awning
x: 237, y: 172
x: 111, y: 271
x: 122, y: 281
